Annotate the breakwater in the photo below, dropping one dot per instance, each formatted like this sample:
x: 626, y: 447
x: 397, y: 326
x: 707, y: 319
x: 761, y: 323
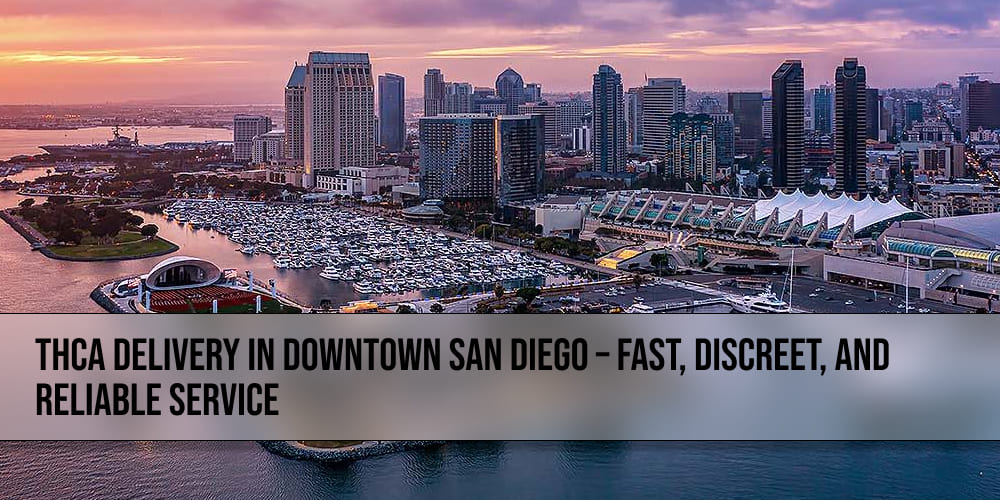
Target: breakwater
x: 102, y: 299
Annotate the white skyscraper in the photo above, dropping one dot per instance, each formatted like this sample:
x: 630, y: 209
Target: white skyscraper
x: 661, y: 99
x: 339, y: 113
x: 269, y: 147
x: 245, y: 128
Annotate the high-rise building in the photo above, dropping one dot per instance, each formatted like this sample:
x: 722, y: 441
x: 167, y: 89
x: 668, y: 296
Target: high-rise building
x: 691, y: 147
x: 391, y: 117
x: 457, y: 156
x: 492, y: 106
x: 520, y: 159
x: 610, y: 154
x: 661, y: 99
x: 268, y: 147
x: 533, y: 92
x: 433, y: 92
x: 787, y: 132
x: 963, y: 95
x: 339, y: 113
x: 633, y: 119
x: 458, y: 97
x: 913, y: 112
x: 887, y: 123
x: 873, y: 116
x: 823, y: 110
x: 747, y: 109
x: 571, y: 112
x: 478, y: 157
x: 850, y: 128
x: 550, y: 125
x: 245, y: 128
x: 295, y: 99
x: 510, y: 88
x: 766, y: 117
x: 582, y: 138
x: 984, y: 105
x: 725, y: 139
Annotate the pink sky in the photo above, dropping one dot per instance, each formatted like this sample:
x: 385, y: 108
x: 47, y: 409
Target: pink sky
x: 72, y: 51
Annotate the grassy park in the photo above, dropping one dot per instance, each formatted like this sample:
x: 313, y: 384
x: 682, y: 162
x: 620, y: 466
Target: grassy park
x: 126, y: 245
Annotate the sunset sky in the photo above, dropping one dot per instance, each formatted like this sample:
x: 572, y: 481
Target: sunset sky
x: 229, y: 51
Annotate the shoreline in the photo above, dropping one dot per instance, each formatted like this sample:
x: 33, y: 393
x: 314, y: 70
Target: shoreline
x: 42, y: 246
x: 368, y: 449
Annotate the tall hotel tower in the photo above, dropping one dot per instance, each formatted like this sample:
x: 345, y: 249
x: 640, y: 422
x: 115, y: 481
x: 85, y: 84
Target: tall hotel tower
x: 849, y: 130
x: 339, y: 113
x: 295, y: 98
x: 787, y: 127
x: 610, y: 152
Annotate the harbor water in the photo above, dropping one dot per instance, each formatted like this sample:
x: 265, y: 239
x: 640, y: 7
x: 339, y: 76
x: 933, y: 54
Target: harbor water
x: 584, y: 470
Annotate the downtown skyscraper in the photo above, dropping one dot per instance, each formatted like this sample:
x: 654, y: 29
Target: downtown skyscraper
x: 787, y: 127
x: 245, y: 128
x: 983, y: 108
x: 339, y: 113
x: 850, y: 128
x: 510, y: 88
x: 823, y: 110
x: 479, y: 157
x: 610, y: 153
x: 433, y: 92
x: 661, y: 99
x: 747, y: 109
x: 391, y: 123
x: 691, y: 148
x: 295, y: 99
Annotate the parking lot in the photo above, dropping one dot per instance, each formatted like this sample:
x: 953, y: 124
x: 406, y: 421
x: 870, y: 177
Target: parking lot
x: 655, y: 295
x: 818, y: 296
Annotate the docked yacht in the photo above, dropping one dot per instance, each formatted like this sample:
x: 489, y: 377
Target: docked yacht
x: 639, y: 308
x: 764, y: 302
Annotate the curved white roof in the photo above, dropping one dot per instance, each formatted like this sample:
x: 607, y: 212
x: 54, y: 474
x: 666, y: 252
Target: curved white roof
x: 212, y: 273
x: 866, y: 212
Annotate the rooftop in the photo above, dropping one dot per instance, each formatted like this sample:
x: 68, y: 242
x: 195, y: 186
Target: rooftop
x: 338, y: 58
x: 980, y: 231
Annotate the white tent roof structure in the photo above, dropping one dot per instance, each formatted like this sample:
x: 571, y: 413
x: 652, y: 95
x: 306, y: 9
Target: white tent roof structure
x: 866, y: 212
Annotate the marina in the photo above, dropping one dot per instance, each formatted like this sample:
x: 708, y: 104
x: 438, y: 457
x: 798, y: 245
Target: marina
x: 375, y: 255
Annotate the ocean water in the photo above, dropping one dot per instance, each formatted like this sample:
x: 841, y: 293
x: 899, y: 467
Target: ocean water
x: 487, y: 470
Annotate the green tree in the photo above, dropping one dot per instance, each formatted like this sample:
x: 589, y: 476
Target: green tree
x: 404, y: 309
x: 27, y: 202
x: 133, y: 220
x: 638, y: 280
x: 107, y: 227
x: 149, y: 231
x: 437, y: 308
x: 69, y: 235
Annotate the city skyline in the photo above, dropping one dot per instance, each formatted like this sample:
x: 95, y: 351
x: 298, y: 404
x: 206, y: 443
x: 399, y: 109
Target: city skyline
x: 240, y: 51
